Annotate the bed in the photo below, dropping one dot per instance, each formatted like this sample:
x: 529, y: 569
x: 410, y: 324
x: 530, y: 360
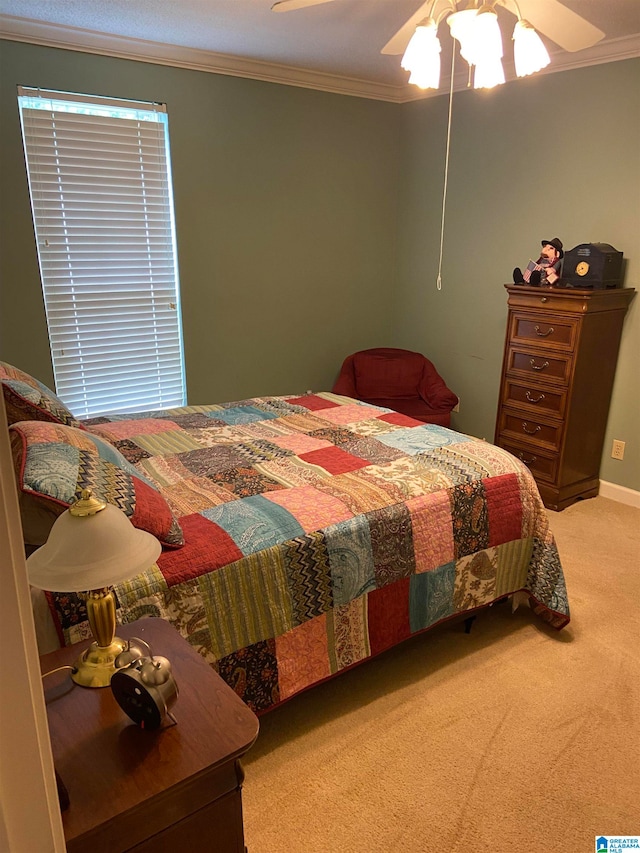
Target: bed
x: 301, y: 535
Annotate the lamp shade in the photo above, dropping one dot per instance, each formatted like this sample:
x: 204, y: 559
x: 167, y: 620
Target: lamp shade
x: 529, y: 53
x: 462, y: 25
x: 91, y: 550
x: 422, y: 56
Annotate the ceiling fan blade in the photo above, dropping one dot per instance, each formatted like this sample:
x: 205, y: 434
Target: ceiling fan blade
x: 555, y: 21
x: 397, y: 44
x: 290, y: 5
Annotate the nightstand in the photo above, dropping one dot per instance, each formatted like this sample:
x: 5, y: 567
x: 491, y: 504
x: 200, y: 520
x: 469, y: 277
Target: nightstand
x: 176, y: 788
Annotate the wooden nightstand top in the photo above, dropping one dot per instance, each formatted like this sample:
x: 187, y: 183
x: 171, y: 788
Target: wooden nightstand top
x: 128, y: 783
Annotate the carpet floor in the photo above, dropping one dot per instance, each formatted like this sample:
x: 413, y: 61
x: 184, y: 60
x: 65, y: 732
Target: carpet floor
x: 513, y: 738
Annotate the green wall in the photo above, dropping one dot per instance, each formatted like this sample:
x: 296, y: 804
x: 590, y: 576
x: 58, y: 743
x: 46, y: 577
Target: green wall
x: 286, y: 216
x: 308, y: 223
x: 553, y: 155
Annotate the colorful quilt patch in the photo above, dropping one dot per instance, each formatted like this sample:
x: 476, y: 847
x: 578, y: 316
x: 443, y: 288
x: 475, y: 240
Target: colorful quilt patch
x: 206, y: 548
x: 117, y: 430
x: 391, y: 544
x: 253, y: 673
x: 398, y: 419
x: 209, y: 461
x: 303, y: 656
x: 245, y: 482
x: 244, y: 415
x: 312, y: 402
x: 300, y: 443
x: 501, y: 491
x: 470, y: 518
x: 358, y: 492
x: 431, y: 597
x: 255, y: 523
x: 348, y: 634
x: 334, y: 460
x: 422, y: 439
x: 225, y: 592
x: 312, y: 508
x: 513, y: 558
x: 475, y: 582
x: 350, y: 560
x: 432, y: 526
x: 388, y: 615
x: 306, y: 562
x: 348, y: 414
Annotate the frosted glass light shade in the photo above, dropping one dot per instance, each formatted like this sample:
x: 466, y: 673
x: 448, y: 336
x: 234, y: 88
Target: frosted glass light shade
x: 487, y: 37
x: 488, y: 73
x: 422, y: 56
x: 462, y: 26
x: 529, y: 53
x: 480, y: 39
x: 91, y: 552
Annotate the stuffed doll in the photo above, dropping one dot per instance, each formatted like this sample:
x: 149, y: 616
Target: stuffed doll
x: 546, y: 270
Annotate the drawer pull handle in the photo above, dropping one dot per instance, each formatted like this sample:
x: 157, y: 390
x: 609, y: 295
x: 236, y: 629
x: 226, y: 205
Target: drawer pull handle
x: 549, y: 331
x: 530, y: 431
x: 526, y: 461
x: 539, y: 399
x: 535, y: 366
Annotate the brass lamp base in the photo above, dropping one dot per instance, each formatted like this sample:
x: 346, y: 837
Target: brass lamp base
x: 96, y: 665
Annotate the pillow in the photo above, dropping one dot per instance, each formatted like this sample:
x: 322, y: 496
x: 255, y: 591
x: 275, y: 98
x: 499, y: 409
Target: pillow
x: 55, y: 462
x: 26, y: 399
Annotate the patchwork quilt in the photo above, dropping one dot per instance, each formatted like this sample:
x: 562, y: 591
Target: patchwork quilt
x: 319, y: 531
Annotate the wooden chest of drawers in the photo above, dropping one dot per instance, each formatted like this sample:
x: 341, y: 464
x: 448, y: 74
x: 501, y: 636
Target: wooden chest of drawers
x: 559, y: 365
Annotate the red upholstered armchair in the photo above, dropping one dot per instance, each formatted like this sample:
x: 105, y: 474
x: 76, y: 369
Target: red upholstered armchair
x: 398, y: 379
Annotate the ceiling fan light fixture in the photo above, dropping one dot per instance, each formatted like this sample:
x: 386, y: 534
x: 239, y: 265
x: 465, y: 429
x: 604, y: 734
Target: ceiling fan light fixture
x: 422, y: 56
x: 529, y: 53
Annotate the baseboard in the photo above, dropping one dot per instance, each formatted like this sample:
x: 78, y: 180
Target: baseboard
x: 619, y: 493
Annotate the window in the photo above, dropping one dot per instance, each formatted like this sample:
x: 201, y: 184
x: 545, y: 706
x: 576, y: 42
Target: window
x: 100, y: 184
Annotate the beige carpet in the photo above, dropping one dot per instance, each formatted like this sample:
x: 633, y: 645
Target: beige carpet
x: 514, y: 738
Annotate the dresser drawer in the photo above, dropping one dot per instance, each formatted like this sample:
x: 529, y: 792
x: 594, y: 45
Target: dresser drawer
x: 541, y: 364
x: 532, y: 398
x: 552, y: 300
x: 523, y: 427
x: 543, y: 330
x: 543, y: 466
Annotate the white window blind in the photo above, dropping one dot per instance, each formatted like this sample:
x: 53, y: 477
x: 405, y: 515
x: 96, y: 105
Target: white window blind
x: 100, y: 184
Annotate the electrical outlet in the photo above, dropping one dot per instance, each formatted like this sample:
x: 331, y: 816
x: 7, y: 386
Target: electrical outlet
x: 617, y: 451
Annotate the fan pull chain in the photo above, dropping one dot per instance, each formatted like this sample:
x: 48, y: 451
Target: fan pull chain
x: 446, y: 171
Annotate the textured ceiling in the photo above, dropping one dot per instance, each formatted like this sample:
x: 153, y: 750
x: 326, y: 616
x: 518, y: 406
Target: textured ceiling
x: 340, y: 39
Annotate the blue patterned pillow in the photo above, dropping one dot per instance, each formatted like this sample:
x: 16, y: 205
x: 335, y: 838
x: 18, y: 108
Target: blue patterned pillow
x: 56, y: 462
x: 26, y: 399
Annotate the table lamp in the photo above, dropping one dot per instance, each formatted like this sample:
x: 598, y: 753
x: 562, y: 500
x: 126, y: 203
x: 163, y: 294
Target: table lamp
x: 92, y: 546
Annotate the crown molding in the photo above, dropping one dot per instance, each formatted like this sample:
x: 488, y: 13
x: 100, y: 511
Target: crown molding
x: 122, y: 47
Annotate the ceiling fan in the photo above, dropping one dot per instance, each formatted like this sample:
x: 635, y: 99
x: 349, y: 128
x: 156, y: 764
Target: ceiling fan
x: 552, y: 18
